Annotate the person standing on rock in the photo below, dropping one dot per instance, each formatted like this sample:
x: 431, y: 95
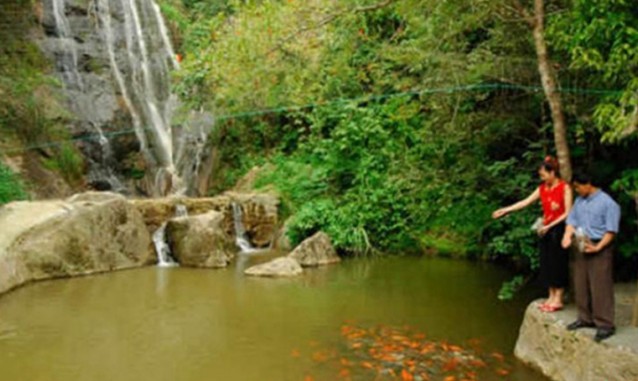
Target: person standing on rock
x: 595, y: 220
x: 556, y: 200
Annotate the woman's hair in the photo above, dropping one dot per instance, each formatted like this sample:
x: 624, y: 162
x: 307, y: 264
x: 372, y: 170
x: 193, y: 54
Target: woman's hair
x: 550, y: 164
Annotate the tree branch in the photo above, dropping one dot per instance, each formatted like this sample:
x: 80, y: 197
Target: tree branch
x: 530, y: 19
x: 330, y: 18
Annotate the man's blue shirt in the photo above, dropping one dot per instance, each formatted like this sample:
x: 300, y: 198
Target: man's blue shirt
x: 596, y: 214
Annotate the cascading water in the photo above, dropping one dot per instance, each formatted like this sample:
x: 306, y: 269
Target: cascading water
x: 145, y: 83
x: 163, y: 250
x: 66, y: 52
x: 241, y: 239
x: 131, y: 41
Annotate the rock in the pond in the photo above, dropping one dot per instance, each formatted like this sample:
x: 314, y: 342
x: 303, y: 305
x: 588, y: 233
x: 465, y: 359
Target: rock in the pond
x: 545, y: 344
x: 315, y: 251
x: 259, y: 215
x: 200, y: 241
x: 89, y: 234
x: 280, y: 267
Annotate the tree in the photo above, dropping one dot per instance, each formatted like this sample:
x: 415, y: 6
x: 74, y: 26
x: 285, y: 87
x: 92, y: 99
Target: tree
x: 536, y: 22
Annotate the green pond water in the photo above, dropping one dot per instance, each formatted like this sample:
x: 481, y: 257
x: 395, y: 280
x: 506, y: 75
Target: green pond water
x: 189, y: 325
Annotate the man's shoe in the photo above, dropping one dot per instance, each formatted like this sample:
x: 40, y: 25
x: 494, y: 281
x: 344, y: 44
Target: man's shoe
x: 604, y: 333
x: 578, y: 324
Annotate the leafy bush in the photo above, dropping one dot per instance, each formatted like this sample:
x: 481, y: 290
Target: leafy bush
x: 11, y: 188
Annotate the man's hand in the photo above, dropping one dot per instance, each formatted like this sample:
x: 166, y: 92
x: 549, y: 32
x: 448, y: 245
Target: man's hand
x: 590, y: 248
x: 567, y: 241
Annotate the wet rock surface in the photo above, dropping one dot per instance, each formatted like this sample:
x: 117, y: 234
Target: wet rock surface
x: 315, y: 251
x: 280, y: 267
x: 200, y: 241
x: 544, y: 343
x: 87, y: 234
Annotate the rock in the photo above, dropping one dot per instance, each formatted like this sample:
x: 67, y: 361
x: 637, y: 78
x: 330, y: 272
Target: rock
x: 315, y: 251
x: 95, y: 197
x: 259, y: 212
x: 200, y: 241
x: 280, y: 267
x: 156, y: 211
x: 52, y: 239
x: 260, y: 215
x: 545, y: 344
x: 281, y: 240
x: 247, y: 182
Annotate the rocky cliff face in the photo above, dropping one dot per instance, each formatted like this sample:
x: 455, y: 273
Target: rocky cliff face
x: 114, y: 59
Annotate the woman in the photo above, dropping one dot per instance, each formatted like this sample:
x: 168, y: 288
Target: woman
x: 556, y: 199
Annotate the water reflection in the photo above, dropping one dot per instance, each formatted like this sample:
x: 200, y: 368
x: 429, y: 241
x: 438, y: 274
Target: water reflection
x: 194, y: 324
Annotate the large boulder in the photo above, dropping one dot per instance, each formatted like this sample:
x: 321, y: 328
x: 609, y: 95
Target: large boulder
x: 280, y: 267
x: 545, y: 344
x: 84, y: 235
x: 315, y: 251
x: 200, y: 241
x: 259, y: 215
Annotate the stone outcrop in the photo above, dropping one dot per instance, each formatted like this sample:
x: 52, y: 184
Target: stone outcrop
x: 545, y: 344
x: 259, y: 215
x: 200, y: 241
x: 86, y: 234
x: 259, y: 212
x: 315, y: 251
x: 280, y: 267
x: 156, y: 211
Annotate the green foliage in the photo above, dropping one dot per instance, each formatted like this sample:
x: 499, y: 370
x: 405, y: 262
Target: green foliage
x: 509, y: 289
x: 11, y: 188
x: 601, y: 36
x: 67, y: 161
x: 31, y: 113
x: 386, y: 173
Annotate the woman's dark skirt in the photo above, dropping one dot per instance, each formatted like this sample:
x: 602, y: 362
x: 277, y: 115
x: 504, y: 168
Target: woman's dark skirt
x: 554, y: 260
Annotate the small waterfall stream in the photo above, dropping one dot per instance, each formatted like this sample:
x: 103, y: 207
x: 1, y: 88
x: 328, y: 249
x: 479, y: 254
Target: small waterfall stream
x: 163, y: 250
x: 241, y: 239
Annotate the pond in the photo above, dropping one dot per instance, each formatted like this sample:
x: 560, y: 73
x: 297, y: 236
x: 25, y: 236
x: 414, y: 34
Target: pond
x: 191, y: 325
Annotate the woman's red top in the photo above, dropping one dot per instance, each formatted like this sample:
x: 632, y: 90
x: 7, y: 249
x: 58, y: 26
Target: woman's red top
x: 553, y: 201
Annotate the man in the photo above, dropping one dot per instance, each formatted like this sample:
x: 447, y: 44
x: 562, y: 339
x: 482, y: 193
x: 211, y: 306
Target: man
x: 597, y: 215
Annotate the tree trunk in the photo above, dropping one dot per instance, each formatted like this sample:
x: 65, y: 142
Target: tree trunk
x: 634, y: 320
x: 548, y: 79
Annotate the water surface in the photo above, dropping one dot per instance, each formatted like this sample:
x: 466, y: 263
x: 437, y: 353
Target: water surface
x: 185, y: 324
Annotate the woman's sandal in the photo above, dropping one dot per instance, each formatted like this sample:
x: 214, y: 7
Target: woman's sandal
x: 550, y: 308
x: 543, y: 305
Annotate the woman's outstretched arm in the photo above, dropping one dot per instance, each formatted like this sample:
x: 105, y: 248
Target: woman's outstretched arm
x: 518, y: 206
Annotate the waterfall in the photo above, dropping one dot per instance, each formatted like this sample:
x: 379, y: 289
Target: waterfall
x: 163, y: 250
x: 66, y: 53
x: 131, y: 41
x: 147, y: 83
x: 241, y: 239
x: 141, y: 59
x: 67, y: 46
